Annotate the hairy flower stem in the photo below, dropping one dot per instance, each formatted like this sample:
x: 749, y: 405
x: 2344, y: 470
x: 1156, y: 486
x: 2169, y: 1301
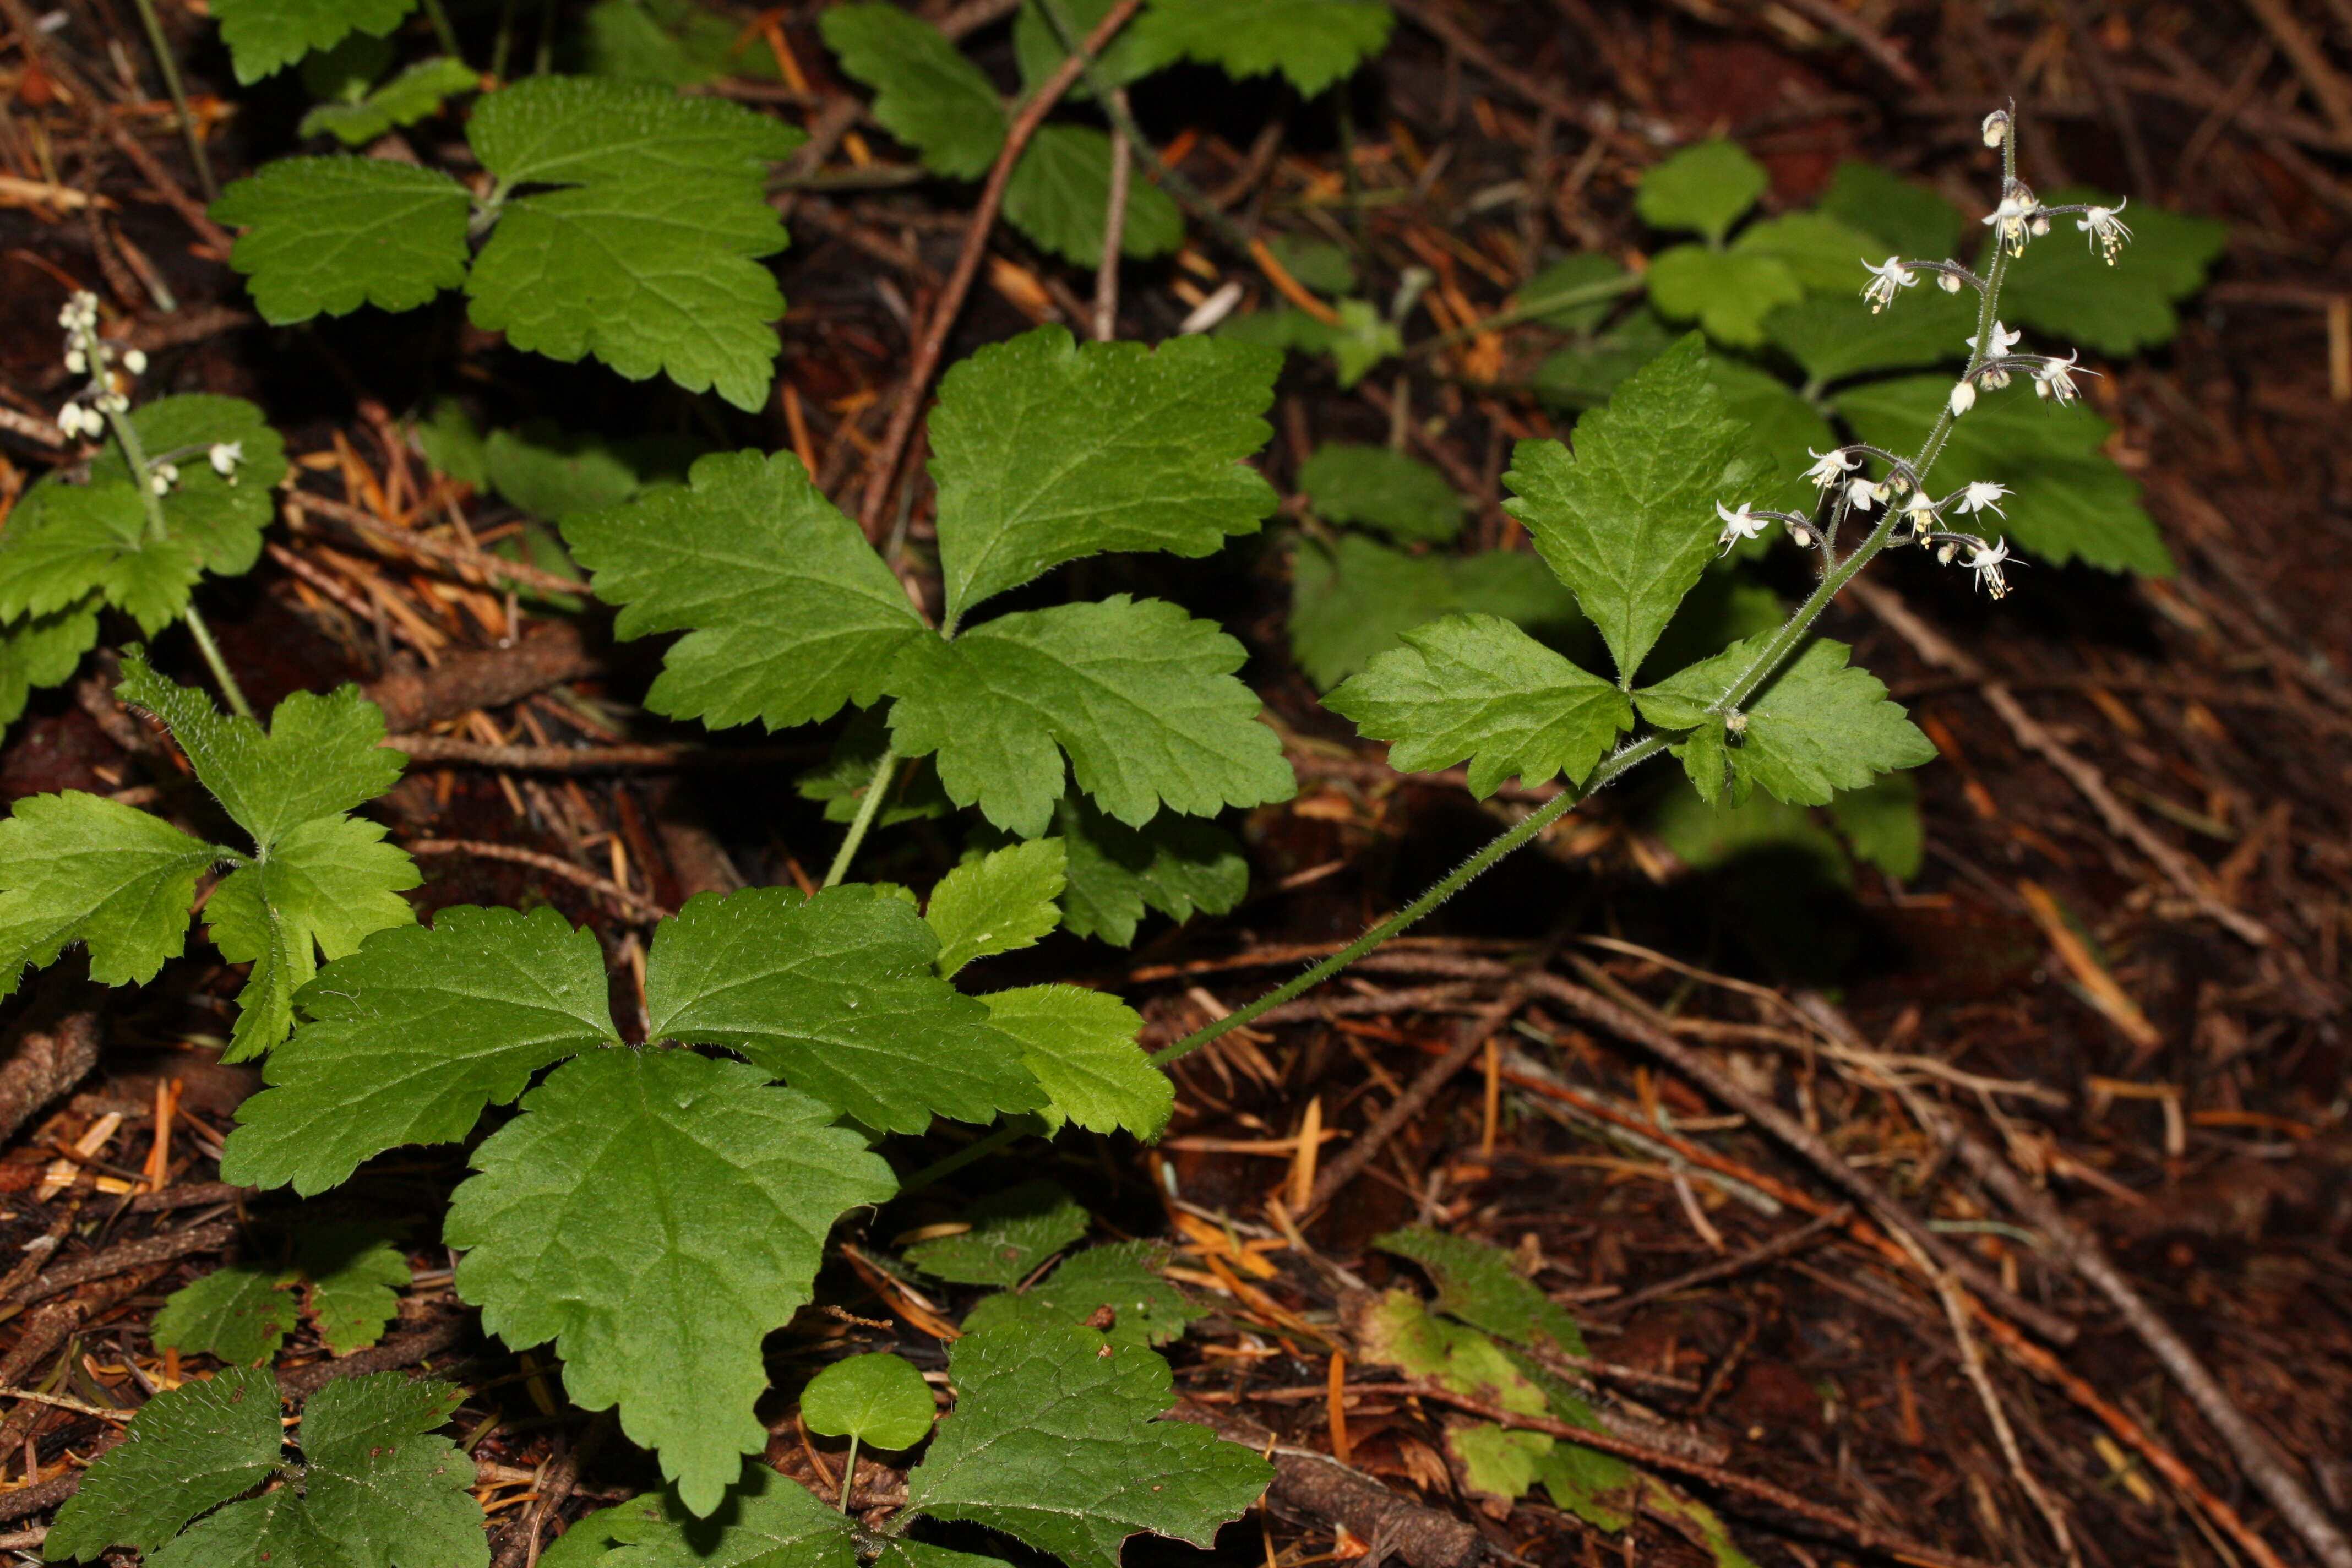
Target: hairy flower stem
x: 161, y: 44
x: 135, y: 453
x: 868, y: 805
x: 1559, y: 805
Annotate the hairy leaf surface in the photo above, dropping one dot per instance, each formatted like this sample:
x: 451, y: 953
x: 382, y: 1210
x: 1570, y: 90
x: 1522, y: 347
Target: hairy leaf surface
x: 1173, y: 864
x: 1060, y: 194
x: 1146, y: 1310
x: 267, y: 35
x: 325, y: 236
x: 66, y: 542
x: 81, y: 868
x: 1013, y: 1234
x: 1817, y: 727
x: 239, y: 1313
x: 1000, y: 902
x: 190, y: 1449
x: 1082, y: 1047
x: 220, y: 516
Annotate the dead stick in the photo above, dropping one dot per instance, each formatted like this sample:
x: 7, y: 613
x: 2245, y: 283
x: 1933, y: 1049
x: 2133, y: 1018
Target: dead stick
x: 632, y: 903
x: 1779, y: 1247
x: 884, y: 474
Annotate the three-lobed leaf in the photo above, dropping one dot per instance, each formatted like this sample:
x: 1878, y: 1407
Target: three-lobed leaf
x: 998, y: 902
x: 1477, y: 1284
x: 1706, y: 186
x: 325, y: 236
x: 1081, y: 1046
x: 81, y: 868
x: 240, y: 1314
x: 189, y: 1450
x: 1731, y: 294
x: 926, y: 92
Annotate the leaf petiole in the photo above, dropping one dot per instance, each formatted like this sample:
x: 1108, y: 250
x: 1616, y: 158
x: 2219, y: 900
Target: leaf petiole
x: 868, y: 805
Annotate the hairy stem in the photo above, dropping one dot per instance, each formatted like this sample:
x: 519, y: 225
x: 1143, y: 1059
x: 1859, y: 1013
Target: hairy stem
x: 868, y: 807
x: 1559, y: 805
x: 848, y: 1474
x: 170, y: 69
x: 135, y: 453
x: 1011, y: 1129
x: 211, y: 650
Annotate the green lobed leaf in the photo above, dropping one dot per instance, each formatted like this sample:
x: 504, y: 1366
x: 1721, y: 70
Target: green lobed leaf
x: 1013, y: 1234
x: 1818, y: 726
x: 836, y: 995
x: 767, y: 1522
x: 80, y: 868
x: 44, y: 650
x: 67, y: 541
x: 926, y: 92
x: 1881, y: 821
x: 552, y: 472
x: 1140, y: 696
x: 409, y: 1039
x: 1146, y: 1310
x: 670, y: 42
x: 1038, y: 47
x: 1002, y: 901
x: 1783, y: 431
x: 1706, y: 186
x: 222, y: 516
x: 354, y: 1277
x: 788, y: 612
x: 1059, y: 197
x: 877, y: 1398
x: 1478, y: 689
x: 1835, y: 335
x: 329, y: 235
x: 1627, y: 520
x: 1399, y: 1331
x: 1919, y: 223
x: 1313, y: 42
x: 1820, y: 252
x: 1358, y: 598
x: 1402, y: 497
x: 406, y: 98
x: 656, y: 1214
x: 911, y: 794
x: 188, y: 1449
x: 2063, y: 287
x: 560, y: 130
x: 1729, y: 293
x: 1477, y: 1284
x: 2070, y: 501
x: 1082, y: 1047
x: 238, y: 1314
x: 267, y: 35
x: 1045, y: 450
x: 1586, y: 373
x: 1057, y: 1444
x: 1171, y: 864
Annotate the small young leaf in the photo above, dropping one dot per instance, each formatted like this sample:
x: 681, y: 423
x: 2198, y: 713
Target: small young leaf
x: 81, y: 868
x: 1140, y: 696
x: 1000, y: 902
x: 1124, y: 1277
x: 44, y: 650
x: 1013, y: 1234
x: 1060, y: 192
x: 267, y: 35
x: 926, y: 93
x: 1881, y: 821
x: 912, y: 793
x: 1822, y: 253
x: 1478, y: 689
x: 767, y: 1522
x: 1628, y: 521
x: 1057, y: 1444
x: 1728, y: 292
x: 406, y: 98
x: 1817, y: 727
x: 788, y: 611
x: 67, y: 541
x: 2062, y: 286
x: 836, y: 995
x: 1171, y: 864
x: 1082, y: 1047
x: 1478, y: 1285
x: 222, y: 519
x: 1706, y: 186
x: 1362, y: 340
x: 879, y: 1399
x: 1909, y: 219
x: 581, y: 1228
x: 190, y: 1449
x: 1046, y: 451
x: 355, y: 1277
x: 238, y: 1314
x: 409, y: 1037
x: 1038, y: 47
x: 1358, y: 598
x: 1313, y: 42
x: 1402, y: 497
x: 329, y: 235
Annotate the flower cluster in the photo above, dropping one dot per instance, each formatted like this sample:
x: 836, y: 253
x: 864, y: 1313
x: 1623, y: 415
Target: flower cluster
x: 90, y: 355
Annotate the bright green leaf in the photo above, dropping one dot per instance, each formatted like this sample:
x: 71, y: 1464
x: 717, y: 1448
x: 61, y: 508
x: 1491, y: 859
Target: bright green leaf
x: 1628, y: 520
x: 997, y: 903
x: 1046, y: 451
x: 1398, y: 1330
x: 38, y: 651
x: 1171, y: 864
x: 1358, y: 599
x: 1914, y: 221
x: 222, y: 516
x: 1082, y: 1048
x: 80, y: 868
x: 1478, y: 689
x: 879, y: 1399
x: 1013, y: 1233
x: 835, y: 994
x: 64, y: 542
x: 238, y: 1314
x: 1818, y: 726
x: 1822, y: 253
x: 926, y: 93
x: 406, y: 98
x: 1140, y: 696
x: 569, y: 130
x: 1834, y: 335
x: 1313, y: 42
x: 1477, y: 1284
x: 1059, y: 197
x: 2063, y: 287
x: 267, y: 35
x: 1146, y: 1310
x: 1363, y: 339
x: 1729, y: 293
x: 592, y: 1223
x: 1706, y: 186
x: 1402, y: 497
x: 1059, y: 1446
x: 788, y: 612
x: 329, y: 235
x: 409, y: 1037
x: 190, y: 1449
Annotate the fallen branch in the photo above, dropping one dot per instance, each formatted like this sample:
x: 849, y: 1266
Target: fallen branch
x: 636, y: 904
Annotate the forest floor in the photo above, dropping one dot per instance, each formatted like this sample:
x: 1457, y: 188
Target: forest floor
x: 2120, y: 967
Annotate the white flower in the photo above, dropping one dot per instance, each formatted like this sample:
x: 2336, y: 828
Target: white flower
x: 77, y: 362
x: 1994, y: 379
x: 224, y: 456
x: 2106, y: 230
x: 2003, y: 340
x: 1983, y: 494
x: 1996, y: 128
x: 1831, y: 465
x: 1949, y: 282
x: 1985, y: 560
x: 2055, y: 378
x: 1741, y: 524
x: 113, y: 403
x: 1862, y: 495
x: 163, y: 476
x: 80, y: 312
x: 1922, y: 512
x: 70, y: 417
x: 1963, y: 398
x: 1802, y: 532
x: 135, y: 361
x: 1885, y: 282
x: 2011, y: 220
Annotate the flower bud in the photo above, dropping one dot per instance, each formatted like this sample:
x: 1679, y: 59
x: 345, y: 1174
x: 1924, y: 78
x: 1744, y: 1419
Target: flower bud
x: 1963, y: 398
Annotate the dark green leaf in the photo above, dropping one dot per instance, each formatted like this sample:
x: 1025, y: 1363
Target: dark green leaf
x: 1912, y: 220
x: 2063, y: 287
x: 1171, y: 864
x: 190, y: 1449
x: 1059, y: 197
x: 1358, y: 598
x: 1402, y: 497
x: 1146, y: 1310
x: 329, y: 235
x: 1013, y: 1234
x: 1477, y: 1284
x: 1313, y: 42
x: 926, y: 93
x: 267, y: 35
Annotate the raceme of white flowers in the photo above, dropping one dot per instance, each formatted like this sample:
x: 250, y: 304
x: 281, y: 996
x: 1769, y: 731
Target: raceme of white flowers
x: 87, y: 355
x: 1993, y: 362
